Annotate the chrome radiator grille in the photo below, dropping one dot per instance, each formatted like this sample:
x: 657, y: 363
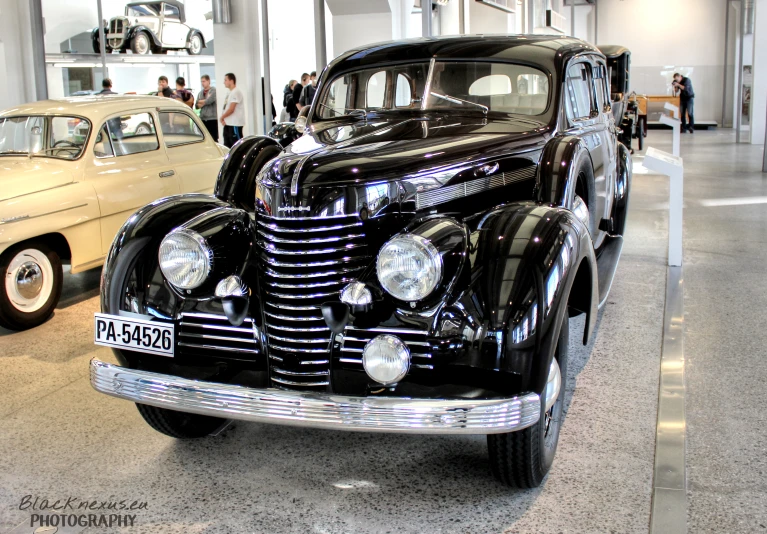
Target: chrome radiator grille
x: 355, y: 340
x: 207, y: 333
x: 304, y: 262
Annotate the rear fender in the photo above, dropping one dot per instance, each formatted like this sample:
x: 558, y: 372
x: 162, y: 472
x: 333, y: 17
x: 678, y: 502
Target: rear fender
x: 529, y: 255
x: 622, y: 189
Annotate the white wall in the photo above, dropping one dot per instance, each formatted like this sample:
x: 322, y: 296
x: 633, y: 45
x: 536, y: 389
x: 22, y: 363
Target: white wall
x: 759, y: 88
x: 482, y: 18
x: 665, y: 36
x: 348, y: 30
x: 16, y: 66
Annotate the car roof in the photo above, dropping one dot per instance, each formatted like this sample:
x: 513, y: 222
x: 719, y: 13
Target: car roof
x: 93, y: 107
x: 533, y: 48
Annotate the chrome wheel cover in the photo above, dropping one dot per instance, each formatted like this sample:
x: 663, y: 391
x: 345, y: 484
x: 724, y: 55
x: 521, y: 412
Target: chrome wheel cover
x: 142, y: 44
x: 29, y: 280
x: 196, y: 44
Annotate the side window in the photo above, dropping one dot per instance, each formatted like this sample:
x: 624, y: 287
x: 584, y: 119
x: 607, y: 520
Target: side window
x: 178, y: 128
x: 132, y: 134
x: 170, y: 11
x: 376, y: 90
x: 102, y: 148
x: 580, y: 101
x: 338, y: 96
x: 403, y: 97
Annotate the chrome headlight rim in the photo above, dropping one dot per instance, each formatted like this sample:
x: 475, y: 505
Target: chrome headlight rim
x: 203, y: 248
x: 433, y: 254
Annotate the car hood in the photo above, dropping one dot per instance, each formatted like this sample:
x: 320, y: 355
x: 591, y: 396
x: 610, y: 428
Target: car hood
x: 383, y: 150
x: 21, y: 176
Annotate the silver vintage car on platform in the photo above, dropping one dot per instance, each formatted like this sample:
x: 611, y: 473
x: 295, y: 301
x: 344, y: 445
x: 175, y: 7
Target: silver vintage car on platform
x: 150, y: 27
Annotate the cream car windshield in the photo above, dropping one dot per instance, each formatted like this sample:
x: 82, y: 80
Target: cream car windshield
x: 480, y: 86
x: 43, y: 136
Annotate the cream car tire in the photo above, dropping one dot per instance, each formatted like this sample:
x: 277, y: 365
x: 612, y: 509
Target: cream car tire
x: 31, y: 286
x: 140, y: 44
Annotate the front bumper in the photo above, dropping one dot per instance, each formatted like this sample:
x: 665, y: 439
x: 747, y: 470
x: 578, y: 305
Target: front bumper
x: 315, y: 409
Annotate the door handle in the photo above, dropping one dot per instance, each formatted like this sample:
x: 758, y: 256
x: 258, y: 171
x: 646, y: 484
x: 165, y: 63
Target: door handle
x: 167, y: 174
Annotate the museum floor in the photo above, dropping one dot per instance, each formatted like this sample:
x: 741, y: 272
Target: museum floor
x: 59, y: 438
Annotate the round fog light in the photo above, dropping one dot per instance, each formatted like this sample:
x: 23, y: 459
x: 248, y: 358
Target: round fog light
x: 386, y: 359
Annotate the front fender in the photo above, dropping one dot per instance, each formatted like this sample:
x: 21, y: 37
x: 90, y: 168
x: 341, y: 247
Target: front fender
x: 134, y: 30
x: 236, y: 182
x: 142, y: 232
x: 528, y: 257
x: 557, y: 168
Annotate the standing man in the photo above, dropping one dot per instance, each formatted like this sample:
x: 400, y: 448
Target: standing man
x: 298, y: 89
x: 206, y: 103
x: 307, y: 94
x: 686, y: 101
x: 162, y: 84
x: 233, y: 117
x: 106, y: 87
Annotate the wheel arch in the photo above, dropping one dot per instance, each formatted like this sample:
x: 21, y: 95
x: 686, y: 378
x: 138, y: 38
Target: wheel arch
x: 195, y: 31
x: 238, y: 173
x: 557, y: 178
x: 56, y: 241
x: 141, y: 28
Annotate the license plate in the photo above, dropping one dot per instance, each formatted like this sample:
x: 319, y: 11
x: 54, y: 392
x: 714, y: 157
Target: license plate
x: 140, y: 335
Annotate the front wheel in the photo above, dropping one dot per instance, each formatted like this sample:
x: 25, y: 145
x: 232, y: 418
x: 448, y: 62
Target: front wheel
x: 140, y: 44
x: 32, y: 285
x: 521, y: 459
x: 179, y: 425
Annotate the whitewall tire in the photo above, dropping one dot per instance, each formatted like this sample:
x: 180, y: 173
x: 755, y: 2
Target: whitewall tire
x: 32, y: 279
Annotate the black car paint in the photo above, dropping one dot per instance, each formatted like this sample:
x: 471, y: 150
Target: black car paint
x: 515, y: 256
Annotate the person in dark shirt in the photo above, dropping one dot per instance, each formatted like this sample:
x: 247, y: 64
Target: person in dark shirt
x: 182, y: 93
x: 298, y: 89
x: 307, y: 94
x: 683, y: 85
x: 106, y: 87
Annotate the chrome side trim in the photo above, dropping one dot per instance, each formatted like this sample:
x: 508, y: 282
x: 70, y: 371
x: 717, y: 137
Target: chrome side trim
x: 315, y: 409
x: 20, y: 218
x: 471, y: 187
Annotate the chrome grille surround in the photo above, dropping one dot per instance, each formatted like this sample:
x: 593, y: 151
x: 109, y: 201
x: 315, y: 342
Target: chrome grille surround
x: 303, y: 263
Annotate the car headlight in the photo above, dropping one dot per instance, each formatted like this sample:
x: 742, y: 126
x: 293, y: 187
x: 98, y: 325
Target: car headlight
x: 185, y: 258
x: 409, y: 267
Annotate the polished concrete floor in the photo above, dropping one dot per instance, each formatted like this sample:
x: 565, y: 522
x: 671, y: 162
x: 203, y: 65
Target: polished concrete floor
x: 59, y: 438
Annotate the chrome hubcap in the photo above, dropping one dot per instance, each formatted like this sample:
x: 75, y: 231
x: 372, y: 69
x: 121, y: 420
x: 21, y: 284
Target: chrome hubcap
x: 29, y: 280
x: 196, y: 44
x: 142, y: 44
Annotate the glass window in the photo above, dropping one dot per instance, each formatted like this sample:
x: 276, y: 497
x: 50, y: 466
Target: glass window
x: 102, y: 148
x: 143, y: 10
x: 56, y: 137
x: 403, y: 97
x: 178, y: 128
x: 132, y: 134
x: 579, y: 101
x: 170, y: 11
x: 376, y: 90
x: 500, y: 87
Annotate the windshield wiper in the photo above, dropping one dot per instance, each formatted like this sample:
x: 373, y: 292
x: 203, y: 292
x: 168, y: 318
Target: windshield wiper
x: 456, y: 100
x: 13, y: 152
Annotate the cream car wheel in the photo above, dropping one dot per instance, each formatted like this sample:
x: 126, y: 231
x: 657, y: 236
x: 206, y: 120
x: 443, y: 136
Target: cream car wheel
x: 195, y: 45
x: 32, y: 285
x: 29, y: 280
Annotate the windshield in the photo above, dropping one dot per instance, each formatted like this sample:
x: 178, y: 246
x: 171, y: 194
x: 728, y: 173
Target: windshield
x: 468, y: 85
x: 57, y: 137
x: 146, y: 10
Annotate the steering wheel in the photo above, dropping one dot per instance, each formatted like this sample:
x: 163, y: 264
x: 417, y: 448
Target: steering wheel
x: 63, y: 144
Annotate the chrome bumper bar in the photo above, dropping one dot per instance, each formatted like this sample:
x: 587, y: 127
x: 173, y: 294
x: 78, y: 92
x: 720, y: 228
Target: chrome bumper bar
x: 317, y: 409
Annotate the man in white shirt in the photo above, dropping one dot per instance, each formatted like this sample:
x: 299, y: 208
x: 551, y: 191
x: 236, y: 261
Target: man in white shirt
x: 233, y: 117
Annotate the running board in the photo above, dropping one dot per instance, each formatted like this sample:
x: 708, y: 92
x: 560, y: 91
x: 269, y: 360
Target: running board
x: 607, y: 262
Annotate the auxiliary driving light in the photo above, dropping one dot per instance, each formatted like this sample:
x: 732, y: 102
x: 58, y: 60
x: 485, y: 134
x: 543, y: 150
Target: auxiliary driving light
x: 386, y: 359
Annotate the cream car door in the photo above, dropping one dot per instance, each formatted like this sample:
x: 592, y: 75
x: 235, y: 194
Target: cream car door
x: 128, y: 169
x: 173, y: 31
x: 192, y: 152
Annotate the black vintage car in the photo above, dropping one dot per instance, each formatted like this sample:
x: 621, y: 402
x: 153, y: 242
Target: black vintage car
x: 409, y: 264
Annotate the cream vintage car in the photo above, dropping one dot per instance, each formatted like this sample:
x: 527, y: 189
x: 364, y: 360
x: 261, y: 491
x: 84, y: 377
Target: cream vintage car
x: 71, y: 173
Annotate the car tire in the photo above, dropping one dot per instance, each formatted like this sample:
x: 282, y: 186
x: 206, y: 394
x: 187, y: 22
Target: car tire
x: 179, y: 425
x: 141, y: 44
x: 522, y: 459
x: 143, y: 129
x: 31, y: 287
x: 195, y: 45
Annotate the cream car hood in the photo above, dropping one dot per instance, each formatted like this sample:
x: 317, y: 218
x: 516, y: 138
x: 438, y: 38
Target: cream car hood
x: 23, y: 176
